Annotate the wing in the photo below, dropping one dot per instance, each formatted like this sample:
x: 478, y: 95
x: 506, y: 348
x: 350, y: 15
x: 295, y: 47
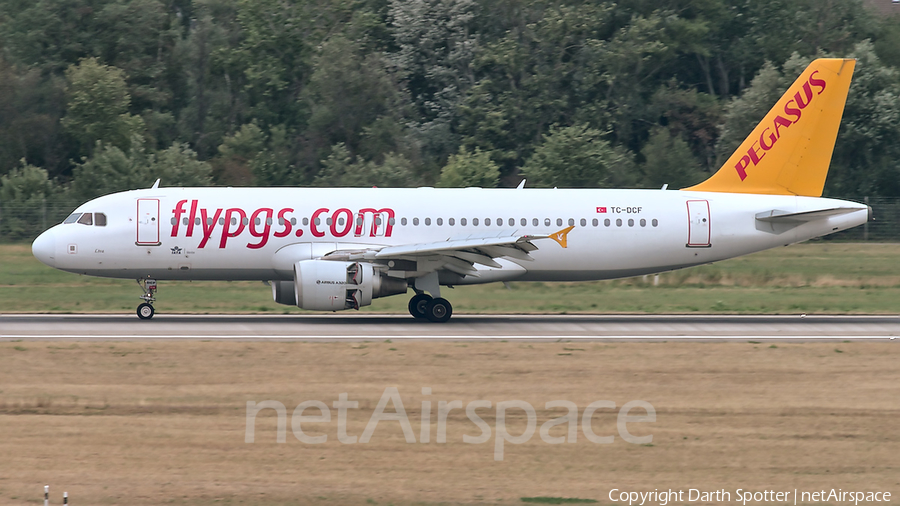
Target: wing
x: 458, y: 255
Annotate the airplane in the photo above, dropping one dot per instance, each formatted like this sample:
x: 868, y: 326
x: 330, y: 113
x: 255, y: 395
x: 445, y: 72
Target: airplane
x: 332, y: 249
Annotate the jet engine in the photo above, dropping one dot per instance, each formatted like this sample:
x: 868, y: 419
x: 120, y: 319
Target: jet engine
x: 325, y: 285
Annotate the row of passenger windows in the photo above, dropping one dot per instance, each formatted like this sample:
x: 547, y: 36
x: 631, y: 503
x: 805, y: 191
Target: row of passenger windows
x: 439, y: 222
x: 96, y: 219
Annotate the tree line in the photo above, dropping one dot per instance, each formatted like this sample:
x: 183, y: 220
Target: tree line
x: 98, y: 96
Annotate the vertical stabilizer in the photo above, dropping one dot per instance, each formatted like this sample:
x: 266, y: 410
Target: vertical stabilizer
x: 789, y: 151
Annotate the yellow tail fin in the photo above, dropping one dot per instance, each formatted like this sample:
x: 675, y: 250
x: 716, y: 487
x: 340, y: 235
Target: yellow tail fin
x: 789, y: 151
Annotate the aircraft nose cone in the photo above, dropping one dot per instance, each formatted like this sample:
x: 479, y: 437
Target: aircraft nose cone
x: 44, y: 248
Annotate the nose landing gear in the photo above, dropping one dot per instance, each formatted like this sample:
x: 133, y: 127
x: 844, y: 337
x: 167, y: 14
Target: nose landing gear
x: 145, y: 310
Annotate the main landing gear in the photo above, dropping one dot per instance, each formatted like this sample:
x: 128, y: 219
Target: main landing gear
x: 145, y: 310
x: 423, y: 307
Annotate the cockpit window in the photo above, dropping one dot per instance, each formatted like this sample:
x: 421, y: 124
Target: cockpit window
x: 100, y: 219
x: 86, y: 219
x: 73, y: 218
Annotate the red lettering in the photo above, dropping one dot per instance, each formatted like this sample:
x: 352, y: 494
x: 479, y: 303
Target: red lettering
x: 806, y: 91
x: 819, y: 83
x: 378, y: 219
x: 792, y: 111
x: 754, y: 155
x: 312, y: 224
x: 208, y: 225
x: 781, y: 121
x: 192, y: 219
x: 179, y: 210
x: 284, y: 221
x: 228, y: 219
x: 264, y: 235
x: 762, y: 140
x: 741, y: 167
x: 348, y: 220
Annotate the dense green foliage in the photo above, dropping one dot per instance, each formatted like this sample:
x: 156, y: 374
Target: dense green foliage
x: 103, y: 95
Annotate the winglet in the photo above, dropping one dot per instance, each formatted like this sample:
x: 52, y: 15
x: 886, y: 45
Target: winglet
x: 561, y: 236
x: 155, y: 185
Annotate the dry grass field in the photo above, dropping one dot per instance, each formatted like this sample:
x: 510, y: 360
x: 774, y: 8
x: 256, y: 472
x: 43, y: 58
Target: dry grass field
x: 146, y: 423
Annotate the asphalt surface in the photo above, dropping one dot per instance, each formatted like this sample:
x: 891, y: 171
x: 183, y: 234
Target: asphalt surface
x: 361, y: 327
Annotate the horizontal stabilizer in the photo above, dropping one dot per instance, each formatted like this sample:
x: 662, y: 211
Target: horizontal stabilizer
x: 777, y: 216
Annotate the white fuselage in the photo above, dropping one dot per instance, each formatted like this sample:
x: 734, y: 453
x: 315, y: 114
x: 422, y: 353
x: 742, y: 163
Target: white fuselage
x: 259, y: 233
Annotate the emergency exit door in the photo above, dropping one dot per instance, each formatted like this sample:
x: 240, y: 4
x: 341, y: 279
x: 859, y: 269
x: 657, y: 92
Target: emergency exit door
x: 148, y: 222
x: 698, y: 224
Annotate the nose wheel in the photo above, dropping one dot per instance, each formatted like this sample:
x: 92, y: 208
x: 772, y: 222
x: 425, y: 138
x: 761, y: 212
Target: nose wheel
x: 145, y: 310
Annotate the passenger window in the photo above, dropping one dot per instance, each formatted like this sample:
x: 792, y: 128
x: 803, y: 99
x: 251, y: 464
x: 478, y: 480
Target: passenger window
x: 595, y: 222
x: 523, y: 221
x: 427, y: 222
x: 583, y: 222
x: 546, y: 222
x: 403, y: 221
x: 512, y: 222
x: 293, y: 221
x: 619, y: 222
x: 197, y: 221
x: 558, y: 222
x: 391, y: 221
x: 606, y: 222
x: 451, y: 222
x: 73, y: 218
x: 571, y: 222
x: 630, y: 222
x: 487, y: 222
x: 462, y: 221
x: 643, y: 222
x: 535, y: 222
x: 440, y: 221
x: 305, y: 221
x: 86, y: 219
x: 328, y: 221
x: 221, y: 221
x: 475, y: 221
x: 416, y: 221
x: 654, y: 222
x: 499, y: 222
x: 100, y: 220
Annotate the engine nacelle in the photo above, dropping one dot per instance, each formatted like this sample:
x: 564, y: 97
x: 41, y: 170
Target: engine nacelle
x: 283, y: 292
x: 325, y: 285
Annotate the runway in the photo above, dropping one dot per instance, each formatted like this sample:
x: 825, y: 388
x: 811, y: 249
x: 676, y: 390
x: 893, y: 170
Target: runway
x: 363, y: 327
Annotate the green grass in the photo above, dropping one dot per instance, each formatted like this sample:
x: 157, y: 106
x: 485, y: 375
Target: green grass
x: 557, y: 500
x: 816, y: 277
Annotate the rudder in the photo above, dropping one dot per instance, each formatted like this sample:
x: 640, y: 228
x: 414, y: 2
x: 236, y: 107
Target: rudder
x: 789, y: 151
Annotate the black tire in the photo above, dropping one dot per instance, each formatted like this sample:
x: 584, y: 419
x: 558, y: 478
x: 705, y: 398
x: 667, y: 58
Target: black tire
x: 417, y: 305
x: 438, y: 310
x: 145, y: 311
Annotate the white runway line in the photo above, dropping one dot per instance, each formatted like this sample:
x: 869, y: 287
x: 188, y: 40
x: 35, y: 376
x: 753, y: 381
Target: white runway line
x: 432, y: 337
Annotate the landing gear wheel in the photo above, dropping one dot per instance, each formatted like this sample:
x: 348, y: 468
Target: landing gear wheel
x: 417, y: 305
x: 145, y: 311
x: 438, y: 310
